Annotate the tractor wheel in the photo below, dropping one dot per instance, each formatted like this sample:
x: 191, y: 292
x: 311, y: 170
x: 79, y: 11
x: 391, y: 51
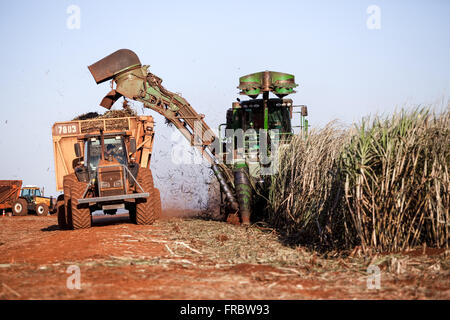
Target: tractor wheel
x: 158, y: 207
x: 81, y: 215
x: 68, y: 181
x: 61, y: 212
x: 145, y: 207
x: 41, y: 209
x: 20, y: 207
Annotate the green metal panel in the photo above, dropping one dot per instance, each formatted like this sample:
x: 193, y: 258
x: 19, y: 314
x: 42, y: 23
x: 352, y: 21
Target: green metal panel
x: 251, y: 84
x: 283, y: 83
x: 279, y: 83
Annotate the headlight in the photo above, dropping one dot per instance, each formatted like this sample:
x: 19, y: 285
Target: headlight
x: 118, y: 184
x: 104, y: 185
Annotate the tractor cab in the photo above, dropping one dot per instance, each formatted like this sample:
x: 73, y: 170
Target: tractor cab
x: 114, y: 152
x: 107, y: 165
x: 30, y: 192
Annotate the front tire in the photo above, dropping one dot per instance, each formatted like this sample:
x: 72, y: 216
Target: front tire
x: 81, y: 215
x: 77, y: 216
x: 20, y: 207
x: 42, y: 209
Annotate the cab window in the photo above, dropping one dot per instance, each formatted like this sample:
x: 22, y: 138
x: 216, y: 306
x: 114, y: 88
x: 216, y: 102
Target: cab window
x: 30, y: 192
x: 114, y: 146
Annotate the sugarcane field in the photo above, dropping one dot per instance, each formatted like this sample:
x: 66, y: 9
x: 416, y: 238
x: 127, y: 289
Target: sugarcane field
x: 167, y: 158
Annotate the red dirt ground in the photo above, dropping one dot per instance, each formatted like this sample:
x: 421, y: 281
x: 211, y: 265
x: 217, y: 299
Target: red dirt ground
x: 119, y: 260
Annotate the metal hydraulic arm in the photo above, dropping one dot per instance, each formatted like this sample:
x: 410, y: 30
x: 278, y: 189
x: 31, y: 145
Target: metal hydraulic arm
x: 135, y: 82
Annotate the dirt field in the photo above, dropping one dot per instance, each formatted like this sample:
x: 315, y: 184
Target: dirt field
x: 192, y: 258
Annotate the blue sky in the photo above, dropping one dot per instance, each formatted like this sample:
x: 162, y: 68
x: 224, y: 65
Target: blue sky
x: 200, y: 48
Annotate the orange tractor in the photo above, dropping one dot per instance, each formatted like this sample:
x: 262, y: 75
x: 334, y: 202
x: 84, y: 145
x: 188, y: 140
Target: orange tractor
x: 104, y: 164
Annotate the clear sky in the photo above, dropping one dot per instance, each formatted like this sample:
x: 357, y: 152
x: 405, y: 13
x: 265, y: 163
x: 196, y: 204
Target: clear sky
x: 200, y: 48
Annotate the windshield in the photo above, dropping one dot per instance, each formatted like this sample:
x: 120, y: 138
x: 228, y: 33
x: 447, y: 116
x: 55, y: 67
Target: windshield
x: 30, y: 192
x: 114, y: 146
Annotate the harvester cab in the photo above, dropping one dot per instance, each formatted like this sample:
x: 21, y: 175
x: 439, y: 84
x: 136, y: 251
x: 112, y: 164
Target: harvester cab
x: 266, y: 113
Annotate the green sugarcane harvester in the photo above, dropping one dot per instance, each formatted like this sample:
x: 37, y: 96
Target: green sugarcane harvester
x: 241, y: 171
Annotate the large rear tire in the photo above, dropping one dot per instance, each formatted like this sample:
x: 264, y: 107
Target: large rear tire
x: 61, y: 212
x: 145, y: 207
x: 78, y: 216
x: 81, y: 215
x: 20, y: 207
